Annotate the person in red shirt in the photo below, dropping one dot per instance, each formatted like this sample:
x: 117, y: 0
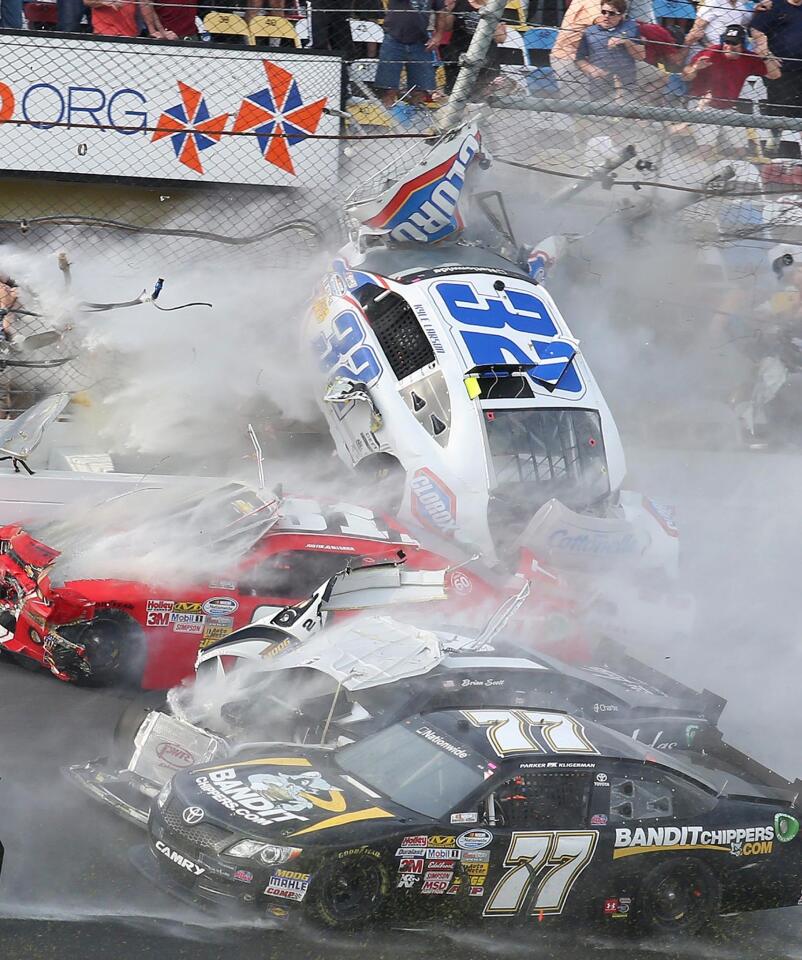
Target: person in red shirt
x: 716, y: 76
x: 114, y: 18
x: 174, y: 20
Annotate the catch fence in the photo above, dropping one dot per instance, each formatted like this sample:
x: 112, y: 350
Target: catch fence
x: 242, y: 155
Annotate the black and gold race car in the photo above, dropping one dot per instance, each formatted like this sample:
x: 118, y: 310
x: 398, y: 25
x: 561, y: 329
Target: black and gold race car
x: 479, y: 814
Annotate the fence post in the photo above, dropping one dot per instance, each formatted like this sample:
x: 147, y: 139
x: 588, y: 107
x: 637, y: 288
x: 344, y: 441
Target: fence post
x: 471, y: 62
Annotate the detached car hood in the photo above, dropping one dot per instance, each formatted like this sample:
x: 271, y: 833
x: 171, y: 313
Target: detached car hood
x: 280, y: 792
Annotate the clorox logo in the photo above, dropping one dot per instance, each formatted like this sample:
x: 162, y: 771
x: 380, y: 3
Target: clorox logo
x: 433, y: 504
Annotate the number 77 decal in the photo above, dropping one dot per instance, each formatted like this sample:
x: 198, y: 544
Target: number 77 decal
x: 511, y: 731
x: 545, y: 865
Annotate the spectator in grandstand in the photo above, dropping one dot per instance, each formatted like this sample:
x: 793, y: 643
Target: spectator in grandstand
x: 69, y: 14
x: 11, y: 14
x: 114, y: 18
x: 331, y: 26
x: 461, y: 22
x: 712, y: 19
x: 170, y: 21
x: 609, y: 50
x: 579, y: 15
x: 407, y: 44
x: 716, y: 76
x: 662, y: 47
x: 777, y: 27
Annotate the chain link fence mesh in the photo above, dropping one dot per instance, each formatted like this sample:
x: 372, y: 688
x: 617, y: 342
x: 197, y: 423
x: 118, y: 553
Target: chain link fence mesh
x: 242, y: 157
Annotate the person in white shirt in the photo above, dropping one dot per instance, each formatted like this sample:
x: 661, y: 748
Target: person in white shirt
x: 712, y: 19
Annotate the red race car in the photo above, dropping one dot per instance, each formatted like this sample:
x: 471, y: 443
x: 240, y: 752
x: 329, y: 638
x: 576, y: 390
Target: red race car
x: 250, y: 554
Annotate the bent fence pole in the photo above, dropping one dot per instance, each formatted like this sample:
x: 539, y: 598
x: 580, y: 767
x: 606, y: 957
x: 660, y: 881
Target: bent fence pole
x: 471, y: 62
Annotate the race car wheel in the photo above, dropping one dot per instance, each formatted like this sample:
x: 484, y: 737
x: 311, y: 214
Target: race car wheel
x: 678, y: 896
x: 350, y: 893
x: 114, y: 648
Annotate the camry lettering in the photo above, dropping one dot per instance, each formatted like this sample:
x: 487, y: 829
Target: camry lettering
x: 179, y: 859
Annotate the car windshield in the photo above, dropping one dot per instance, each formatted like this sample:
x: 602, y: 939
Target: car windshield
x: 559, y: 451
x: 415, y: 766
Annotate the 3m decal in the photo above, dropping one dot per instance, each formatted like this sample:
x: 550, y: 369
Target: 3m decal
x: 554, y: 859
x: 530, y: 335
x: 513, y: 731
x: 739, y: 841
x: 411, y: 865
x: 157, y: 612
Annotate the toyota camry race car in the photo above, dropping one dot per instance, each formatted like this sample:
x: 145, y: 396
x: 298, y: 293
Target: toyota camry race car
x: 291, y: 680
x: 448, y: 371
x: 486, y: 814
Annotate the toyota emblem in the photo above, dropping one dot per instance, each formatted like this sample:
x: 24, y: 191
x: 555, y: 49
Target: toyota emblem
x: 192, y: 815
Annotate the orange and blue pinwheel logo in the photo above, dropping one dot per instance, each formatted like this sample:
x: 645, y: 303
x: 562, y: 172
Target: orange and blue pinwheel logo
x: 190, y: 127
x: 278, y: 116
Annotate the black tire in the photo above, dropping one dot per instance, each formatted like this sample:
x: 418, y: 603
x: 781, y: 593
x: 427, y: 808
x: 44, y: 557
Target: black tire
x: 115, y: 648
x: 350, y: 893
x: 129, y: 721
x: 679, y: 897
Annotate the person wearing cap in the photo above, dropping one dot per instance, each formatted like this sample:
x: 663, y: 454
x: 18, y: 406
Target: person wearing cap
x: 716, y: 76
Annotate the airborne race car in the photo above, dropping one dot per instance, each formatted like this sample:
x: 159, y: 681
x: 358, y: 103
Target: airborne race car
x: 259, y: 554
x: 484, y: 814
x: 448, y: 371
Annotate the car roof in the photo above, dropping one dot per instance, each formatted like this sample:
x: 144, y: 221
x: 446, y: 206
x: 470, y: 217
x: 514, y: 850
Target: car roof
x: 468, y: 726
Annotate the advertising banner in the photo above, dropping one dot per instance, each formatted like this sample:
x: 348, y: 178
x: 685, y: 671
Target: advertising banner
x: 167, y: 112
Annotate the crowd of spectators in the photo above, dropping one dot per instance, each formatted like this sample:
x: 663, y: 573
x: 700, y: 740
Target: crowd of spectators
x: 603, y: 49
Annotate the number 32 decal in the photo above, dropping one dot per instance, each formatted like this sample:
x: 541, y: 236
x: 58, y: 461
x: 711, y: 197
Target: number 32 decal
x: 544, y: 867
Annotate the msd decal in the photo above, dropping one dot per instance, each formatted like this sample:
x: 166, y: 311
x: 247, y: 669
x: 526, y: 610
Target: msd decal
x: 433, y: 504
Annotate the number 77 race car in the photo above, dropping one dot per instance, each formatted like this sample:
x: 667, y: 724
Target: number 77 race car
x: 485, y: 814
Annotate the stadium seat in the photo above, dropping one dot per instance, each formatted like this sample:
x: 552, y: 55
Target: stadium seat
x: 537, y: 42
x: 516, y: 8
x: 542, y: 80
x: 226, y: 27
x: 41, y: 16
x: 273, y: 28
x: 366, y: 31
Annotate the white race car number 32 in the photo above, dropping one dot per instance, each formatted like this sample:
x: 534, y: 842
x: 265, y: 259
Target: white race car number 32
x: 544, y: 866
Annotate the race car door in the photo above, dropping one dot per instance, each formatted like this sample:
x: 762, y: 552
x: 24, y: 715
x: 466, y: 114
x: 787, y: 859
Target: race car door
x: 542, y: 842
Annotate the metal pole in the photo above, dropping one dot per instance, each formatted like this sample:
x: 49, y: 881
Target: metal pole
x: 471, y: 62
x: 719, y: 118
